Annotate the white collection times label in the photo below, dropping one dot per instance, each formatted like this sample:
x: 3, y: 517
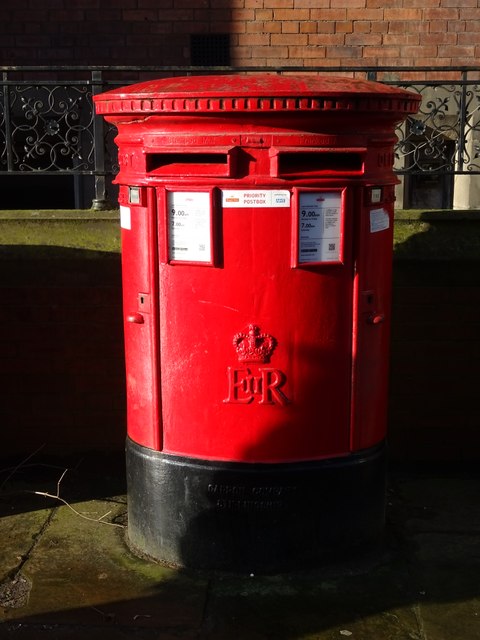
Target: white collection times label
x: 189, y: 226
x: 319, y: 226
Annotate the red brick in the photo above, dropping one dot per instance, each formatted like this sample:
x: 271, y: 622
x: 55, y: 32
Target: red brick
x: 263, y: 14
x: 440, y: 38
x: 155, y: 27
x: 362, y: 26
x: 34, y: 15
x: 243, y: 14
x: 363, y: 39
x: 291, y: 27
x: 456, y: 25
x: 456, y: 52
x: 364, y: 14
x: 327, y: 27
x: 252, y: 27
x: 308, y: 27
x: 254, y: 39
x: 294, y: 39
x: 307, y: 52
x: 441, y: 14
x: 381, y: 4
x: 123, y: 4
x: 32, y: 41
x: 229, y: 27
x: 307, y: 4
x: 326, y: 39
x: 49, y: 4
x: 349, y: 3
x: 139, y: 15
x: 472, y: 25
x: 409, y: 38
x: 328, y: 14
x: 272, y: 26
x: 343, y: 52
x: 402, y: 26
x: 177, y: 15
x: 144, y: 4
x: 379, y: 27
x: 291, y: 14
x: 212, y: 15
x: 463, y: 62
x: 422, y: 4
x: 455, y: 3
x: 469, y: 14
x: 190, y: 4
x: 242, y: 52
x: 382, y: 52
x: 278, y: 4
x: 403, y: 14
x: 467, y: 38
x: 438, y: 26
x: 270, y: 52
x: 418, y: 51
x: 84, y: 4
x: 345, y: 26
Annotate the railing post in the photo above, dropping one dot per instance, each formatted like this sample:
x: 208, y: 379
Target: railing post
x: 462, y: 134
x: 100, y: 202
x: 8, y: 124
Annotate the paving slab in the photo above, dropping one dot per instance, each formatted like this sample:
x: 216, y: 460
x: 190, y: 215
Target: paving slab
x: 67, y: 573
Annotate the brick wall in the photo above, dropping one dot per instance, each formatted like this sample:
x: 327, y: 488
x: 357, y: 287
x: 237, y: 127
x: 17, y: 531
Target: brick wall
x: 62, y: 379
x: 435, y: 357
x: 263, y: 32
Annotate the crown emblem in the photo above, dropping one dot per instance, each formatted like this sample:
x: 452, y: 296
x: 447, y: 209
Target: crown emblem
x: 253, y: 346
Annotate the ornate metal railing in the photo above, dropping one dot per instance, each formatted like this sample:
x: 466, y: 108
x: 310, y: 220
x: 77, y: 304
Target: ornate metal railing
x: 48, y: 126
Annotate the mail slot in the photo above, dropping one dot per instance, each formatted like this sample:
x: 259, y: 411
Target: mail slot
x: 256, y: 216
x: 302, y: 162
x: 198, y: 162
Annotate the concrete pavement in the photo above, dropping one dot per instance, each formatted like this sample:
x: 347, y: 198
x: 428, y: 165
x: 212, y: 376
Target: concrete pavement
x: 66, y: 572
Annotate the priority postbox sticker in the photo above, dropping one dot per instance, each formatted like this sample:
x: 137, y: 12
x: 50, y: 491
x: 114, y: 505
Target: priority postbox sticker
x: 249, y: 198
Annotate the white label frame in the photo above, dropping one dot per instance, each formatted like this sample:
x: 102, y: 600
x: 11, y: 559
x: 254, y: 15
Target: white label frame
x: 318, y: 218
x: 189, y: 226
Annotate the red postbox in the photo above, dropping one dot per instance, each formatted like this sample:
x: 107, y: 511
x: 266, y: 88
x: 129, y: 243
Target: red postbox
x: 256, y: 216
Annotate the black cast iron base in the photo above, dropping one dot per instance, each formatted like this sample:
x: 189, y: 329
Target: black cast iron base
x: 253, y: 517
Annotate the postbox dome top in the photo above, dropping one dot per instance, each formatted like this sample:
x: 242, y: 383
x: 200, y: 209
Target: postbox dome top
x: 258, y: 93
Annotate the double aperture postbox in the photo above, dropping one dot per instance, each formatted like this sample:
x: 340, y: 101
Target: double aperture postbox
x: 256, y: 216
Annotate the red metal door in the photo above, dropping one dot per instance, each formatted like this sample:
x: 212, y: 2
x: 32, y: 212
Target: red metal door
x: 140, y: 303
x: 256, y: 355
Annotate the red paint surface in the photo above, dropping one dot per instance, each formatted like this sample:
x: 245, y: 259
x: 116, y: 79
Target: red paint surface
x: 322, y: 390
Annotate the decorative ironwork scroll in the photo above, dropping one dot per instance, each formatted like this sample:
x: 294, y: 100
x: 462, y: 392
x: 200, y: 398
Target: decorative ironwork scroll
x: 50, y: 128
x: 444, y: 137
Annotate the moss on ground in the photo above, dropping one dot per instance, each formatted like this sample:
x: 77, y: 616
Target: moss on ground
x: 418, y: 234
x: 437, y: 235
x: 97, y: 232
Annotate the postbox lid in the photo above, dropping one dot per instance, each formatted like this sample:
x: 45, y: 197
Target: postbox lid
x: 258, y: 93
